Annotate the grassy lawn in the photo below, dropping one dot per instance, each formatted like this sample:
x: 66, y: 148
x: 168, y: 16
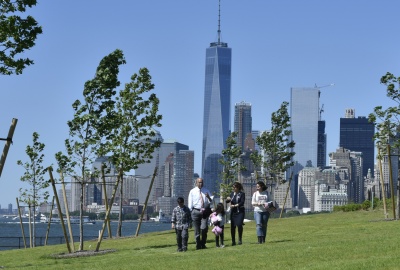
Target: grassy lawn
x: 352, y: 240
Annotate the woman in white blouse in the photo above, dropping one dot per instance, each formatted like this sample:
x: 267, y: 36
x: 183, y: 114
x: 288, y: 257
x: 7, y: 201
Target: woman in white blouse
x: 261, y: 214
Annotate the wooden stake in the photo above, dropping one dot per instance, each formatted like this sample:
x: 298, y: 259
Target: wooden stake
x: 8, y: 143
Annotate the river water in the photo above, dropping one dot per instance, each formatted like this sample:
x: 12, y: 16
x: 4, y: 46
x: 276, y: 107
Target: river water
x: 11, y: 234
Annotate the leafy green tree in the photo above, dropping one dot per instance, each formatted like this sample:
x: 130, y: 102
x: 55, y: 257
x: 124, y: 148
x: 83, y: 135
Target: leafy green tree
x: 91, y: 120
x: 277, y: 145
x: 17, y: 34
x: 131, y: 138
x: 34, y: 176
x: 232, y: 165
x: 387, y: 122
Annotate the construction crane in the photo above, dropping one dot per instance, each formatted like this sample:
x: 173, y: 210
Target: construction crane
x: 316, y: 86
x: 321, y: 110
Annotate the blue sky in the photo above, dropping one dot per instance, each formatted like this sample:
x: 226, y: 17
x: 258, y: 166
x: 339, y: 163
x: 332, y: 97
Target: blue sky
x: 275, y: 45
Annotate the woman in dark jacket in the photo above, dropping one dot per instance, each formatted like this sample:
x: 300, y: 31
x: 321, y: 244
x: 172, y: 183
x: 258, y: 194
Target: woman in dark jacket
x: 237, y: 199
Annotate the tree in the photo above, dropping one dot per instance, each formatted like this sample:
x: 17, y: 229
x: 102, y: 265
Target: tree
x: 232, y: 165
x: 91, y: 119
x: 387, y: 122
x: 17, y: 34
x: 34, y: 176
x: 277, y: 145
x: 131, y: 138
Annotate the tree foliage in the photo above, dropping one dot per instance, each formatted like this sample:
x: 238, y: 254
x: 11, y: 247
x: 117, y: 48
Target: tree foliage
x: 91, y: 120
x: 131, y: 139
x: 17, y: 34
x: 34, y: 174
x: 232, y: 165
x: 277, y: 145
x: 92, y: 114
x: 387, y: 121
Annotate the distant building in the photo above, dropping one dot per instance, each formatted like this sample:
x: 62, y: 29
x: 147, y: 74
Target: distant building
x: 183, y: 176
x: 304, y: 120
x: 321, y: 151
x: 356, y: 134
x: 350, y: 166
x: 306, y: 186
x: 326, y: 197
x: 243, y: 122
x: 217, y: 110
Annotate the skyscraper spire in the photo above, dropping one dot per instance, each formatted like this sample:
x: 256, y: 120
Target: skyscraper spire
x: 219, y: 43
x: 219, y: 22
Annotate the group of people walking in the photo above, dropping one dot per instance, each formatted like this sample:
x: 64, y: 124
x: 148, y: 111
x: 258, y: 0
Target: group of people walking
x: 198, y: 213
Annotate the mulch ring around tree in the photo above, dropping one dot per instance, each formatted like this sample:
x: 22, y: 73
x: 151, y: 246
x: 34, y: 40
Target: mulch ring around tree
x: 83, y: 253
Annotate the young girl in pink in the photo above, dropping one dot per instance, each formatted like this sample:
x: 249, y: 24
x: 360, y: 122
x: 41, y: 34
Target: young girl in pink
x: 217, y: 219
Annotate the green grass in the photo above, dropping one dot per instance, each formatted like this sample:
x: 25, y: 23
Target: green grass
x: 351, y: 240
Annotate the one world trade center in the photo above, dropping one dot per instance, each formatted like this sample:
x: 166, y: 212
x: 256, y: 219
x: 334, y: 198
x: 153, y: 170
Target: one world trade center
x: 217, y: 104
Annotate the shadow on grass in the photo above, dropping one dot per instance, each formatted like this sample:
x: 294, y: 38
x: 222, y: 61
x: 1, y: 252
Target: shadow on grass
x: 154, y: 246
x: 280, y: 241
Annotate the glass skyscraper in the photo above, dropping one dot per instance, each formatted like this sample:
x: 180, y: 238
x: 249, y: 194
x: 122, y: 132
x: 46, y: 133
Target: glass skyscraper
x: 304, y: 120
x: 304, y: 113
x: 217, y: 103
x: 243, y: 122
x: 356, y: 134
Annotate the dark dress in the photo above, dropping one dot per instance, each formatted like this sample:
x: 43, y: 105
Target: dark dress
x: 237, y: 213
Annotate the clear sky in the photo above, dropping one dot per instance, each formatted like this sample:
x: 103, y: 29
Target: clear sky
x: 275, y: 45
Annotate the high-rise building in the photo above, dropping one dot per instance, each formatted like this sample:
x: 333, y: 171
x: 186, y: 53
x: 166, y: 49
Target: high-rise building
x: 304, y: 118
x: 217, y: 104
x: 243, y: 122
x: 304, y: 115
x: 183, y: 173
x: 350, y: 166
x: 356, y: 134
x: 306, y: 186
x: 321, y: 151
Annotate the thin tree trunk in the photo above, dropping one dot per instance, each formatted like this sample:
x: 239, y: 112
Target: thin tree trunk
x: 108, y: 213
x: 287, y: 192
x: 145, y: 204
x: 391, y: 181
x: 71, y: 236
x: 60, y: 214
x: 106, y: 201
x: 81, y: 218
x: 119, y: 230
x: 49, y: 222
x: 382, y: 184
x: 30, y: 226
x: 21, y: 224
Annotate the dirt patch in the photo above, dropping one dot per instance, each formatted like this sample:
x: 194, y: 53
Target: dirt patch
x: 83, y: 253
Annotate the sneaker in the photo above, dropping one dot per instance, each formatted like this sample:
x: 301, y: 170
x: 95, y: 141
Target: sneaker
x: 179, y: 250
x: 240, y: 242
x: 221, y: 246
x: 184, y: 249
x: 233, y: 243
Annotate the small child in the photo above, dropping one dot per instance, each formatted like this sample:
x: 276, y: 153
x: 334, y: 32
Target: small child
x: 217, y: 219
x: 181, y: 222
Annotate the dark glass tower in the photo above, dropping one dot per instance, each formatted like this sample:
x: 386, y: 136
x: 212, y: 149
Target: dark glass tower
x: 217, y: 103
x: 243, y: 122
x: 321, y: 152
x: 356, y: 134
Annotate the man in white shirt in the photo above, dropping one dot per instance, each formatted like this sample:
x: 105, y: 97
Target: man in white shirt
x: 199, y: 202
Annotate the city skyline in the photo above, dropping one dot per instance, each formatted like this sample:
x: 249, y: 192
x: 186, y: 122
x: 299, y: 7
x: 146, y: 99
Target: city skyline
x: 276, y: 46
